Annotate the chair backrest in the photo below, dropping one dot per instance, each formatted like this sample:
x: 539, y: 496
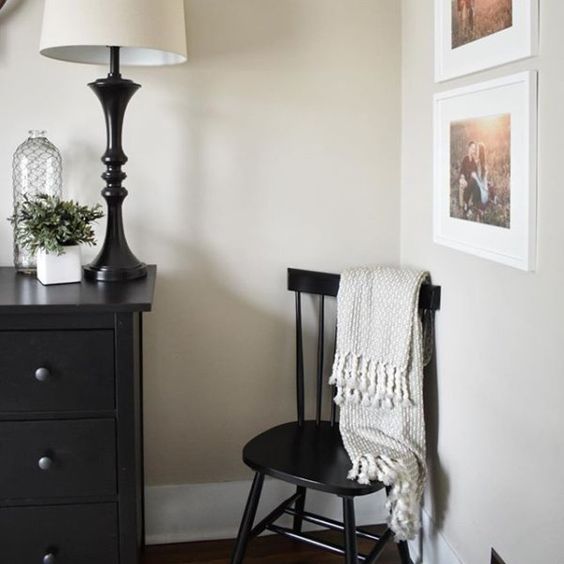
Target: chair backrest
x: 325, y: 284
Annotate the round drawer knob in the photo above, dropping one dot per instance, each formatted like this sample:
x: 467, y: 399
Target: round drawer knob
x: 49, y: 558
x: 42, y: 374
x: 45, y: 463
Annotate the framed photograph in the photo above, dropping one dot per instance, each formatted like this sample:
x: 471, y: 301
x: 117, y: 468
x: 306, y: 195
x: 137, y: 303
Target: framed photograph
x: 473, y: 35
x: 485, y: 169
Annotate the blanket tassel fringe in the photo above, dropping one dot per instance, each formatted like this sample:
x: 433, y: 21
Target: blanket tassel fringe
x: 369, y: 383
x: 402, y: 500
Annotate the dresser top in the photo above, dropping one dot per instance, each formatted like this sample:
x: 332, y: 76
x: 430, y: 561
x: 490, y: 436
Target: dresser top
x: 25, y: 294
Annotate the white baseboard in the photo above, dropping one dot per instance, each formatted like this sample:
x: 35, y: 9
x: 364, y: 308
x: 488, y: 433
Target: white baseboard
x: 431, y: 547
x: 192, y: 512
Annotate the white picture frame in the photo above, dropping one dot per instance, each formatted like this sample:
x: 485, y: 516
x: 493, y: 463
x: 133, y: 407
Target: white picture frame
x: 496, y: 110
x: 456, y: 54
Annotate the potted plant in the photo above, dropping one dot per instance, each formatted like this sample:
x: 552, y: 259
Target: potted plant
x: 55, y: 229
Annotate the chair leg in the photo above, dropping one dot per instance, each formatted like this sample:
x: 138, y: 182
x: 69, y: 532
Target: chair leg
x: 403, y: 548
x: 248, y: 520
x: 300, y: 505
x: 351, y: 550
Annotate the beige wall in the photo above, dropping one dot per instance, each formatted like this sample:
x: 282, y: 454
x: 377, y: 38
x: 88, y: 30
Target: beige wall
x: 497, y: 431
x: 276, y: 145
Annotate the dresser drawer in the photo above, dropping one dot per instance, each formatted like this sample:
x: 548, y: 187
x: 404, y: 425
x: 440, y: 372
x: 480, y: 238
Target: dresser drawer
x: 56, y: 370
x: 82, y: 534
x: 50, y: 459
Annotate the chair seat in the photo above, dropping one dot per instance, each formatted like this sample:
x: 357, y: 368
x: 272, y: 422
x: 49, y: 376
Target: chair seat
x: 311, y: 456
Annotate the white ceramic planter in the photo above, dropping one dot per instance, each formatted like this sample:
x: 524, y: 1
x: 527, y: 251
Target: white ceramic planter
x: 59, y: 269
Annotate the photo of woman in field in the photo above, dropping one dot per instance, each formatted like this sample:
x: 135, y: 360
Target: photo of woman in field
x: 476, y: 19
x: 480, y: 170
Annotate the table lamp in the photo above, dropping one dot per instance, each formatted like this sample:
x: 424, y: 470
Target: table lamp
x: 114, y: 32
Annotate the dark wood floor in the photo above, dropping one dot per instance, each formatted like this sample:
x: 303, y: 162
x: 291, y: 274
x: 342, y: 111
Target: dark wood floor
x: 268, y: 550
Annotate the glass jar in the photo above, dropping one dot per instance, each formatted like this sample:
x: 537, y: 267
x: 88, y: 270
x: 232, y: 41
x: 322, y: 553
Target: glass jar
x: 37, y: 169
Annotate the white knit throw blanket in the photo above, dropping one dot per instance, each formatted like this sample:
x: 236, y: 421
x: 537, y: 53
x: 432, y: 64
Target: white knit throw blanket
x: 378, y: 371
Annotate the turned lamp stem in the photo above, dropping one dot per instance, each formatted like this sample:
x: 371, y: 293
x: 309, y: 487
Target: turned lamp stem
x: 114, y: 62
x: 116, y: 261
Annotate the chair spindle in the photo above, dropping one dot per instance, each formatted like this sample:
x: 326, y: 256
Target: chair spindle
x: 320, y: 354
x: 334, y: 388
x: 299, y: 360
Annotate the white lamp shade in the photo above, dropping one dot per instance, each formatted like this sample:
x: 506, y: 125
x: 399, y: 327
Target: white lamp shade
x: 150, y: 32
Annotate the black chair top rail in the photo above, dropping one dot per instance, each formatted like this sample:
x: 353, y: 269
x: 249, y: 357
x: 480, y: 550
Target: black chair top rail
x: 327, y: 284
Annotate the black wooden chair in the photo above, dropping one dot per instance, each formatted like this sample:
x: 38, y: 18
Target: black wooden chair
x: 310, y: 454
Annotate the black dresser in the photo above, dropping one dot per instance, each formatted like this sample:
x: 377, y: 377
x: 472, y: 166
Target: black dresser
x: 71, y: 442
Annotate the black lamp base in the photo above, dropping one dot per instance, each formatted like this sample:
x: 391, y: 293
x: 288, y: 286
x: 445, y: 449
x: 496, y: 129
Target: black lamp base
x: 112, y: 274
x: 115, y: 262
